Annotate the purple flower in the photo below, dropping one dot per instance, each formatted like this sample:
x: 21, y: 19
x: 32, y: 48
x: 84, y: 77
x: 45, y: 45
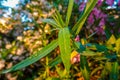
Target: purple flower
x: 90, y: 19
x: 110, y: 2
x: 102, y: 15
x: 99, y: 3
x: 119, y: 3
x: 102, y: 22
x: 100, y: 31
x: 82, y: 6
x: 96, y: 12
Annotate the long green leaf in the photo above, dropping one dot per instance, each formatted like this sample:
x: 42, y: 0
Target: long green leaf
x: 51, y: 22
x: 56, y: 61
x: 58, y: 19
x: 78, y: 26
x: 89, y: 53
x: 84, y: 67
x: 85, y: 73
x: 115, y: 71
x: 69, y: 11
x: 95, y: 70
x: 35, y: 57
x: 65, y: 49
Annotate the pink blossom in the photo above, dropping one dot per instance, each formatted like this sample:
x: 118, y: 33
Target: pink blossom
x: 110, y: 2
x: 75, y: 59
x: 77, y: 39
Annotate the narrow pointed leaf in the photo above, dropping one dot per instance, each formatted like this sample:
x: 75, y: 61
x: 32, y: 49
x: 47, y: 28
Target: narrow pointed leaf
x: 69, y: 11
x: 60, y: 18
x: 56, y: 61
x: 84, y: 68
x: 78, y: 26
x: 51, y: 22
x: 85, y: 73
x: 65, y: 49
x: 55, y: 17
x: 35, y: 57
x: 115, y: 71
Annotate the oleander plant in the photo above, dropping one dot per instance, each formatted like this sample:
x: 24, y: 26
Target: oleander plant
x: 60, y: 40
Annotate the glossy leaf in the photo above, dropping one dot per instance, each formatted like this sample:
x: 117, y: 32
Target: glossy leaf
x: 65, y: 48
x: 35, y: 57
